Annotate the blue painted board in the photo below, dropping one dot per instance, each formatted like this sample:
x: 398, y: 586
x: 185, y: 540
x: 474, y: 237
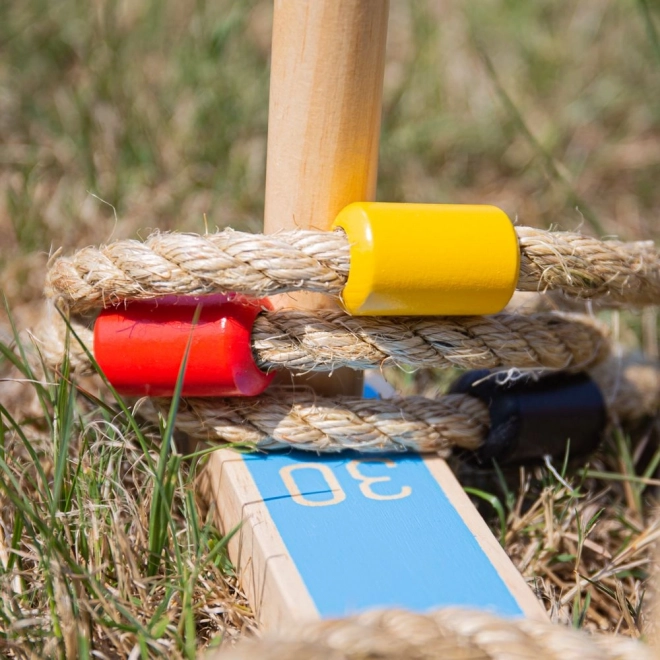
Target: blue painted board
x: 370, y: 531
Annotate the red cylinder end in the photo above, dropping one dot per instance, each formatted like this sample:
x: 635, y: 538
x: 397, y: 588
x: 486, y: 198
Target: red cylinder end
x: 140, y: 347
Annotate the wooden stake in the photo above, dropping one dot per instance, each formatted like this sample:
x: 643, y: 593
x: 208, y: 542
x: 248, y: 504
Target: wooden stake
x: 324, y: 116
x: 326, y: 88
x: 331, y: 535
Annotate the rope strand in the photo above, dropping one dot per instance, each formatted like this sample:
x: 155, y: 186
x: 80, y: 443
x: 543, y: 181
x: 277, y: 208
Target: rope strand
x: 451, y: 633
x: 297, y: 418
x: 324, y: 340
x: 190, y: 264
x: 258, y: 265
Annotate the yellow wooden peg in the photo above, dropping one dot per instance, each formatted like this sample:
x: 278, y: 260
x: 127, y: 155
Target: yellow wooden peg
x: 428, y: 259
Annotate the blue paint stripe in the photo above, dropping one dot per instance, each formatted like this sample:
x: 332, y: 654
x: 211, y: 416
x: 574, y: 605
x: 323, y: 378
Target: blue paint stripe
x: 359, y: 552
x: 369, y: 392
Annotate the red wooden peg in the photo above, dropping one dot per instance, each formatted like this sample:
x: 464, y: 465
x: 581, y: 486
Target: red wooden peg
x: 140, y: 346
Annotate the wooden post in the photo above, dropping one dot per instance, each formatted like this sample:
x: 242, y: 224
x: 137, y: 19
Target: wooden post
x: 324, y: 116
x: 326, y: 89
x: 331, y: 535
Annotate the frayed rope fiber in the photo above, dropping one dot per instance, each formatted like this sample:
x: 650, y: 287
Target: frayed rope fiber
x: 258, y: 265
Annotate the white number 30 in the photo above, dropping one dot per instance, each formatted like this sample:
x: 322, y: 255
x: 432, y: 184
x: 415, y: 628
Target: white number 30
x: 365, y: 482
x: 338, y: 495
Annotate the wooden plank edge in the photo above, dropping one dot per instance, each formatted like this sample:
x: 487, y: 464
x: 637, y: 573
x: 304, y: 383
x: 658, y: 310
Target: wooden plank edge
x: 267, y: 574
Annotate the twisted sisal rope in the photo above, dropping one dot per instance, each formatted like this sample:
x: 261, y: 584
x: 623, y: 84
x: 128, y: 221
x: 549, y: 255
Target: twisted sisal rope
x: 324, y: 340
x: 257, y: 265
x: 285, y: 417
x: 297, y: 418
x: 448, y: 634
x: 260, y: 265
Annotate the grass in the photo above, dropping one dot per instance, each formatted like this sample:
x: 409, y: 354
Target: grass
x: 577, y: 540
x: 117, y: 117
x: 103, y: 547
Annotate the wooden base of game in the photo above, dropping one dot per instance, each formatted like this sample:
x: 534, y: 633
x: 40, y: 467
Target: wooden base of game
x: 332, y: 535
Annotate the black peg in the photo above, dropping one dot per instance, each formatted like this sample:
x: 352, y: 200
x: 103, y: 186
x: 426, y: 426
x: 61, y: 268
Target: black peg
x: 532, y: 417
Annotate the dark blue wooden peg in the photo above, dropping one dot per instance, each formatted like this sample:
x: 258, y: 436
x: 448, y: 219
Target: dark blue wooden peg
x: 532, y: 417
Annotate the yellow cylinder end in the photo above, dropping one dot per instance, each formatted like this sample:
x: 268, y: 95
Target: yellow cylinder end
x: 428, y: 259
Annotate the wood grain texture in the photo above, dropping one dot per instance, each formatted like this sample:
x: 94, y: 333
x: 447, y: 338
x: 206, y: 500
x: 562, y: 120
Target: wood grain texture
x: 325, y: 106
x: 326, y: 87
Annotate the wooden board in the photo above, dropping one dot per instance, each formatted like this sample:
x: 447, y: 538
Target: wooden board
x: 337, y: 534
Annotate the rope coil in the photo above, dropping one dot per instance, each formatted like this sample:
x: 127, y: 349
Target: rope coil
x: 187, y: 264
x: 447, y: 634
x: 324, y: 340
x: 258, y: 265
